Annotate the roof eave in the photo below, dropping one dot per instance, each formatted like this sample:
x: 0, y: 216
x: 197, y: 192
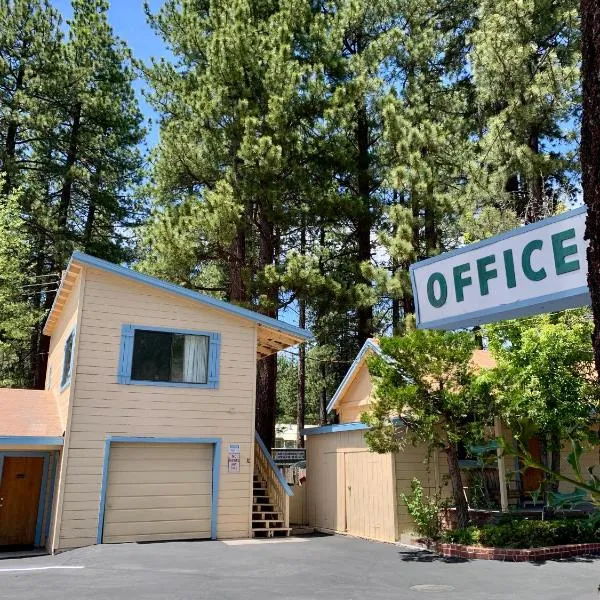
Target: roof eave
x: 297, y: 334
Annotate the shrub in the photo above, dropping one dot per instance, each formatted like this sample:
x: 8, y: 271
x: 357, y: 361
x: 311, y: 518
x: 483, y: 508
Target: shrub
x: 424, y: 510
x: 528, y: 534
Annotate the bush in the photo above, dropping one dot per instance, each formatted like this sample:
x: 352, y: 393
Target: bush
x: 528, y: 534
x: 424, y: 510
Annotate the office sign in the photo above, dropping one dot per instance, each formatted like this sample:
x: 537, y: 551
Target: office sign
x: 538, y: 268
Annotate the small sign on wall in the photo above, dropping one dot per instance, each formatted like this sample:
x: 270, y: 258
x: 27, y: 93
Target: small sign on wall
x: 233, y: 458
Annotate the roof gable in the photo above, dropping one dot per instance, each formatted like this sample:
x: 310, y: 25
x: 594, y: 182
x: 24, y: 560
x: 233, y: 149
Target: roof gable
x: 276, y: 335
x: 481, y: 359
x: 369, y: 347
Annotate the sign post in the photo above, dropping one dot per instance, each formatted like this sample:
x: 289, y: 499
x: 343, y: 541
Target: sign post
x: 538, y: 268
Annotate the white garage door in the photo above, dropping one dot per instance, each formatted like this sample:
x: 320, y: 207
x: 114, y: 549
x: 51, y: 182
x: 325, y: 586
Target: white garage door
x: 158, y: 492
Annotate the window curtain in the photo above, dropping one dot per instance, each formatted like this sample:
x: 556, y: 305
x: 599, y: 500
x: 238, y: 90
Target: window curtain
x: 195, y: 359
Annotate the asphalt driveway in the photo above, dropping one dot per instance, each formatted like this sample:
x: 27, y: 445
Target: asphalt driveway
x: 328, y: 568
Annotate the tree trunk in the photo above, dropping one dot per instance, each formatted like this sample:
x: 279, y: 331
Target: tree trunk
x: 89, y: 226
x: 323, y: 397
x: 301, y: 402
x: 363, y: 228
x: 266, y: 383
x: 67, y: 188
x: 590, y: 154
x: 10, y: 148
x: 535, y: 204
x: 462, y: 509
x: 555, y: 443
x: 238, y: 291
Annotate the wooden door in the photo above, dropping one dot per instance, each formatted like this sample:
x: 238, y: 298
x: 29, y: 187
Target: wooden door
x: 369, y: 496
x: 20, y: 491
x: 532, y: 478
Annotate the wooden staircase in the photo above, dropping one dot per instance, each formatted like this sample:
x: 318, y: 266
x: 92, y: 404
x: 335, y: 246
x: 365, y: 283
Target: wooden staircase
x: 267, y: 521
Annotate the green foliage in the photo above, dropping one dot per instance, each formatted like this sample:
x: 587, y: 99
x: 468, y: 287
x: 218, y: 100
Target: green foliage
x: 543, y: 380
x: 427, y: 378
x: 17, y: 316
x: 69, y: 133
x: 424, y: 510
x: 528, y: 534
x: 287, y: 386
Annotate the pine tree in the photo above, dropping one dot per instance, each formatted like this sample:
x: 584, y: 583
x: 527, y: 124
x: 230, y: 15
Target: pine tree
x: 525, y: 66
x: 230, y: 153
x: 70, y: 126
x: 17, y: 286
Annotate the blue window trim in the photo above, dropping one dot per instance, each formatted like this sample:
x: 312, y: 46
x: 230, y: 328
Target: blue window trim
x: 216, y: 471
x: 280, y: 477
x: 67, y: 383
x: 126, y: 357
x: 334, y: 428
x: 44, y: 506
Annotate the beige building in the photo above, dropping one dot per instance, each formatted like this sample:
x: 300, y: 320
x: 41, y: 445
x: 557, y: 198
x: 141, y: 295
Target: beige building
x: 146, y: 428
x: 354, y: 491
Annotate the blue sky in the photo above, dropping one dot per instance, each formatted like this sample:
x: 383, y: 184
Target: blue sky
x: 128, y: 21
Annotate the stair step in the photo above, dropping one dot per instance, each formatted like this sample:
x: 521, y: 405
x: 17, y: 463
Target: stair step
x: 261, y: 500
x: 268, y: 533
x: 260, y: 492
x: 274, y: 524
x: 263, y: 508
x: 267, y: 516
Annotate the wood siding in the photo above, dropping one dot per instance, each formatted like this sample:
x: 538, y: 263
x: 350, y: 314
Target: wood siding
x: 357, y: 397
x: 413, y: 462
x: 64, y: 327
x: 349, y: 489
x: 101, y: 407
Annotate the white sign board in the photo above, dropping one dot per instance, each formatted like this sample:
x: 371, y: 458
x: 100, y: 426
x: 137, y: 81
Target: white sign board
x: 538, y: 268
x: 233, y: 458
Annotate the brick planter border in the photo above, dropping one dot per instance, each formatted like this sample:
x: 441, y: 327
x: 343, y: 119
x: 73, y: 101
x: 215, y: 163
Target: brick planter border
x: 515, y: 555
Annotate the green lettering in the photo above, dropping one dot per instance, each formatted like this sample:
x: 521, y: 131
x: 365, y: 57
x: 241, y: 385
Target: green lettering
x: 526, y: 261
x: 484, y: 274
x: 509, y: 267
x: 561, y: 252
x: 441, y: 280
x: 460, y: 282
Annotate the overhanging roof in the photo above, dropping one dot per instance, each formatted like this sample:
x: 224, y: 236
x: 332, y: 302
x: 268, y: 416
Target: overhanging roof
x: 273, y: 335
x: 369, y: 346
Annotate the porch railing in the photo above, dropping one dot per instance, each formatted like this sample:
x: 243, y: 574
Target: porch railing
x: 277, y: 488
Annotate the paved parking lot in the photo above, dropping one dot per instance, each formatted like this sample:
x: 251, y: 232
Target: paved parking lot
x: 331, y: 567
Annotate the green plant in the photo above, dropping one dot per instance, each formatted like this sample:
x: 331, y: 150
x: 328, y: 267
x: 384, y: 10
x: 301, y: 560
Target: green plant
x: 468, y: 536
x: 528, y: 534
x: 424, y: 510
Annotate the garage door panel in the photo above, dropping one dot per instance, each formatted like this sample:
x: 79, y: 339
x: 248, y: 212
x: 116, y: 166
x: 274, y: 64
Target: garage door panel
x: 157, y: 489
x: 157, y: 464
x: 160, y: 477
x: 139, y: 515
x: 172, y: 502
x: 187, y: 501
x: 192, y: 526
